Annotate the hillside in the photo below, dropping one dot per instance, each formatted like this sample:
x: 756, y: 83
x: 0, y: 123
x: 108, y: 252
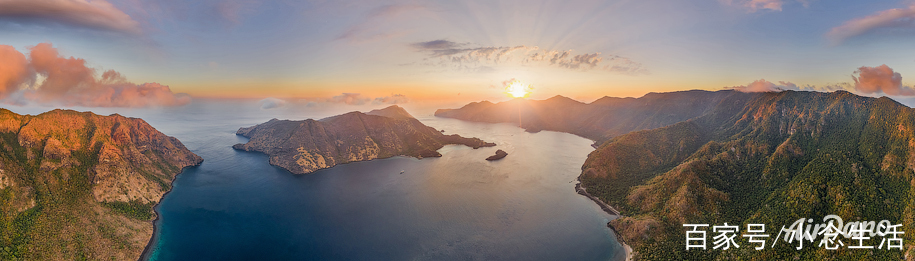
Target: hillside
x: 309, y: 145
x: 769, y: 158
x: 600, y: 120
x: 75, y: 185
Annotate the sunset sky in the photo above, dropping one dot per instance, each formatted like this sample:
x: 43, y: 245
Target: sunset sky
x: 466, y: 50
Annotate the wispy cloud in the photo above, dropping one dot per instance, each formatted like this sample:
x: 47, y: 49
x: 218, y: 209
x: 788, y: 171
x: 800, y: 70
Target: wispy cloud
x: 753, y: 6
x: 49, y: 78
x: 887, y: 19
x: 349, y: 98
x: 369, y: 28
x: 92, y: 14
x: 458, y: 56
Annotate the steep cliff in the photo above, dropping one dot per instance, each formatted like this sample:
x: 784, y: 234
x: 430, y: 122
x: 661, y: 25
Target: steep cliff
x: 75, y: 185
x: 767, y: 158
x: 309, y: 145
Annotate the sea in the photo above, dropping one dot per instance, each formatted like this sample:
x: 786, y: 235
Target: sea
x: 236, y: 206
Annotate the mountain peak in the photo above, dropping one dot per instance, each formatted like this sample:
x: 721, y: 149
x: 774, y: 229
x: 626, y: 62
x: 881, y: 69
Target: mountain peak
x: 561, y: 99
x: 392, y: 111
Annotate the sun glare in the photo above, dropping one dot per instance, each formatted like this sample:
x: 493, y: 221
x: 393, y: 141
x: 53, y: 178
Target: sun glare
x: 518, y: 89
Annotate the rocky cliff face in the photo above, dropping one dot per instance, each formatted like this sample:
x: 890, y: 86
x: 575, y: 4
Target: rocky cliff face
x: 76, y: 184
x: 306, y: 146
x: 766, y: 158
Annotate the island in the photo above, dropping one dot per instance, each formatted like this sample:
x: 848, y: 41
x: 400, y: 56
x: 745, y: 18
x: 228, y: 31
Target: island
x: 76, y: 185
x: 309, y: 145
x: 499, y: 155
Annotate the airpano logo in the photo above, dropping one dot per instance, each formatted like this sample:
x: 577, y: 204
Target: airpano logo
x: 854, y: 235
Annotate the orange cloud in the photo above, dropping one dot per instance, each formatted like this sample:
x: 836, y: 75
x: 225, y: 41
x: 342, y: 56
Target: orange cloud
x: 880, y: 79
x: 93, y: 14
x: 13, y: 70
x: 49, y: 78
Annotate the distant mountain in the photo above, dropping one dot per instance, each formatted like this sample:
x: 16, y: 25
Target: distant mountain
x: 600, y: 120
x: 306, y: 146
x: 76, y: 185
x: 762, y: 158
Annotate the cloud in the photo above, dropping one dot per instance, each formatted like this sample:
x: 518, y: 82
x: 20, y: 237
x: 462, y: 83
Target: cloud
x: 14, y: 70
x: 49, y: 78
x: 271, y: 103
x: 368, y: 29
x: 887, y: 19
x: 753, y: 6
x: 393, y: 99
x: 451, y: 54
x: 92, y: 14
x: 880, y: 79
x: 350, y: 98
x: 762, y: 85
x: 437, y: 45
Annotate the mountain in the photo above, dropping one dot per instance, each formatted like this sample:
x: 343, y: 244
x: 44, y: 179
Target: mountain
x: 762, y: 158
x: 600, y: 120
x: 306, y: 146
x: 76, y: 185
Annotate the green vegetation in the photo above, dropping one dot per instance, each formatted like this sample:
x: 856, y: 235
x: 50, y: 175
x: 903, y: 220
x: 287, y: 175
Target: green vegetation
x: 132, y: 209
x: 769, y: 158
x: 50, y: 209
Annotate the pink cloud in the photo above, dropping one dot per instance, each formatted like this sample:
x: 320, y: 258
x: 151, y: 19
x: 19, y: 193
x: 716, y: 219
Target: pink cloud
x: 762, y: 85
x: 93, y: 14
x: 13, y: 70
x: 53, y: 79
x: 880, y: 79
x: 898, y: 17
x: 754, y: 5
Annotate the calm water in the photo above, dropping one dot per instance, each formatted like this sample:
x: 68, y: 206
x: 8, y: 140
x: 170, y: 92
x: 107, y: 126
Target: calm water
x: 235, y: 206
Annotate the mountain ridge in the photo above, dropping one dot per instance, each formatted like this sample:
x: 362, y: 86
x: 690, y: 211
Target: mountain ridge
x: 80, y: 185
x: 599, y: 120
x: 770, y: 158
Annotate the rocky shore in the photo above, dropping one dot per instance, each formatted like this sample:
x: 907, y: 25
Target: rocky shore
x: 610, y: 210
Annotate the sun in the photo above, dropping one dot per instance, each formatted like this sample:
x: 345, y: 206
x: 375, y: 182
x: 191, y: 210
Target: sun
x: 518, y: 89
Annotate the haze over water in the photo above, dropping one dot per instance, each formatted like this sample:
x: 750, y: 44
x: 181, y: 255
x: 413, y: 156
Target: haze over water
x: 236, y: 206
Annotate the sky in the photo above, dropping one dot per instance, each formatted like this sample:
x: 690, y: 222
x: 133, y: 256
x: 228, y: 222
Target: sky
x: 128, y: 53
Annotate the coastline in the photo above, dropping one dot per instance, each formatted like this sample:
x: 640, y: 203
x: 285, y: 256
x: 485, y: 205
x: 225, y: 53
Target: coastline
x: 610, y: 210
x: 148, y: 249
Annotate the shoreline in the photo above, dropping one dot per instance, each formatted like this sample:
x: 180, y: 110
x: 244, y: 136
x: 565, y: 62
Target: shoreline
x: 148, y: 249
x: 609, y: 210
